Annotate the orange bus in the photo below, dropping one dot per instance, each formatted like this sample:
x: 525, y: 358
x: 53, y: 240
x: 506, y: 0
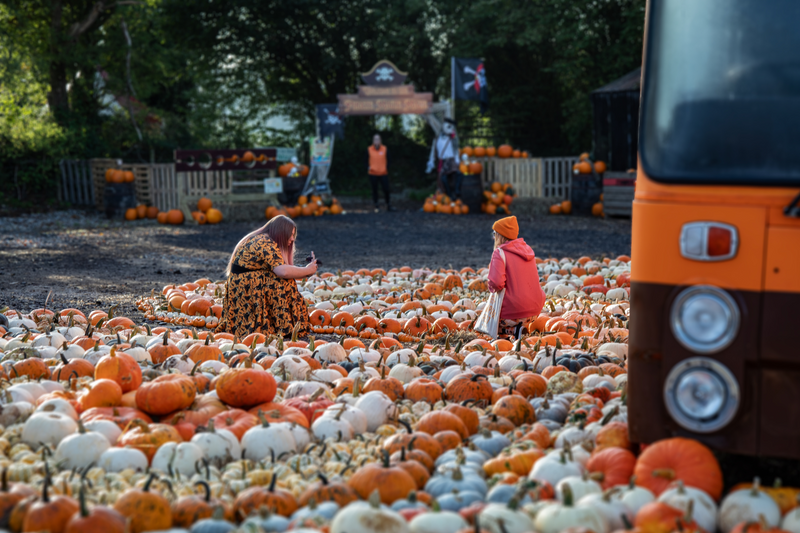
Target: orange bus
x: 716, y: 228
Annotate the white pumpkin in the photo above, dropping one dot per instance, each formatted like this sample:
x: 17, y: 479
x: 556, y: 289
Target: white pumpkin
x: 213, y: 367
x: 513, y: 521
x: 363, y: 517
x: 52, y: 339
x: 107, y: 428
x: 356, y: 417
x: 332, y: 427
x: 178, y: 363
x: 302, y: 435
x: 304, y: 388
x: 580, y: 486
x: 400, y: 356
x: 119, y: 459
x: 15, y: 412
x: 553, y: 470
x: 298, y: 351
x: 405, y: 373
x: 364, y: 373
x: 71, y: 351
x: 34, y: 389
x: 748, y: 505
x: 219, y: 446
x: 452, y: 371
x: 290, y: 368
x: 332, y: 352
x: 47, y: 428
x: 81, y: 449
x: 634, y: 496
x: 58, y: 405
x: 704, y: 510
x: 557, y: 517
x: 139, y: 354
x: 183, y: 457
x: 612, y: 509
x: 791, y: 522
x: 261, y: 441
x: 51, y: 386
x: 377, y: 407
x: 437, y: 522
x: 364, y: 355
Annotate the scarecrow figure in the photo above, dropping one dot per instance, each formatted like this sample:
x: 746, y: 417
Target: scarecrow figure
x: 445, y: 150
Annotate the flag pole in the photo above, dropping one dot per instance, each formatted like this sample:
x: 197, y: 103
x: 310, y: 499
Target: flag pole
x: 453, y: 87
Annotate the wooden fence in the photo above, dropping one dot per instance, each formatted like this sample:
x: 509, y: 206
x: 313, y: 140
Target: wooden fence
x: 549, y: 177
x: 76, y: 183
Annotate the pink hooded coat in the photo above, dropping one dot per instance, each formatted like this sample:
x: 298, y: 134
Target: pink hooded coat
x: 519, y: 276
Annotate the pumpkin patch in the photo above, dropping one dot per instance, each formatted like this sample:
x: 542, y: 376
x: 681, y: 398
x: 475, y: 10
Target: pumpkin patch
x: 395, y: 409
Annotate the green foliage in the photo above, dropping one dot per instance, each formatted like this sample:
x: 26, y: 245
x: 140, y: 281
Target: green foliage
x: 218, y: 74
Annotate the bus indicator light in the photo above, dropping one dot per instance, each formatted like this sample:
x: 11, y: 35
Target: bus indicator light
x: 709, y: 241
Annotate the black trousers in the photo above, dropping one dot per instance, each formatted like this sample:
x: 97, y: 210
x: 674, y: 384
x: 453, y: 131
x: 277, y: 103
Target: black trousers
x: 452, y: 190
x: 384, y: 181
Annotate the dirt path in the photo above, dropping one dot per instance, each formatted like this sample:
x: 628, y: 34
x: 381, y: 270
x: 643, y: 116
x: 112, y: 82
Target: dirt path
x: 88, y: 262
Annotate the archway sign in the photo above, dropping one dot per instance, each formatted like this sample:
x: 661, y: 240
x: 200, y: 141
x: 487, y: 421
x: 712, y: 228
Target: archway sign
x: 385, y: 93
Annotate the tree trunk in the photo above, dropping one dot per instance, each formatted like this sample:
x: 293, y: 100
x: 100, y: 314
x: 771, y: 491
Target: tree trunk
x: 57, y: 98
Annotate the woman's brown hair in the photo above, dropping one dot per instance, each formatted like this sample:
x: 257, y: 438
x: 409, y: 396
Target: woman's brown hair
x: 280, y: 229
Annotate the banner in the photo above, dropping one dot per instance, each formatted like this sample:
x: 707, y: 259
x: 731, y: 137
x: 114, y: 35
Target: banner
x: 329, y: 120
x: 469, y: 81
x: 321, y: 150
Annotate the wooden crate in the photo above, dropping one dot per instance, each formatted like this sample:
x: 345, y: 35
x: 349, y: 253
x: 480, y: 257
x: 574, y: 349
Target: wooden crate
x: 164, y: 187
x: 142, y: 179
x: 99, y: 167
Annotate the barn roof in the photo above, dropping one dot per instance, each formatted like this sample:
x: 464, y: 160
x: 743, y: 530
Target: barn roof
x: 629, y: 82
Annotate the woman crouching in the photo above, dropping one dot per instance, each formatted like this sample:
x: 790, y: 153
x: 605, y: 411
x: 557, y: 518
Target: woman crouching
x: 261, y: 294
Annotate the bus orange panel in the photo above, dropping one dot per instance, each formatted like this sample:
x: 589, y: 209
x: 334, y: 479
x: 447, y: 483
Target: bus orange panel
x: 655, y: 245
x: 782, y: 268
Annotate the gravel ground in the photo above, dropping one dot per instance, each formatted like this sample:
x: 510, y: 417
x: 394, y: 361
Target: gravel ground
x: 89, y: 262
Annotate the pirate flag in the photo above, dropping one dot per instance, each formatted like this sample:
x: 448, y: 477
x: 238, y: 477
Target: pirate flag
x: 469, y: 81
x: 330, y: 123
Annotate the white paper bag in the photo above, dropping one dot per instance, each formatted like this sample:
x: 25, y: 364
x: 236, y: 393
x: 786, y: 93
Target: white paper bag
x: 489, y: 321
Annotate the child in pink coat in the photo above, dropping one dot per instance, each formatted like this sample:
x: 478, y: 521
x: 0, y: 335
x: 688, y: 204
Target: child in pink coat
x: 513, y: 268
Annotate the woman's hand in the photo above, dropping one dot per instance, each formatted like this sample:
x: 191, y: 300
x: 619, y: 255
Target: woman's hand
x: 311, y: 268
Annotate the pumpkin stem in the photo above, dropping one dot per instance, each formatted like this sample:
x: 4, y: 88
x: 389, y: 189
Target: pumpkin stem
x: 263, y: 419
x: 385, y: 455
x: 666, y: 473
x: 272, y: 482
x: 207, y: 489
x: 322, y: 478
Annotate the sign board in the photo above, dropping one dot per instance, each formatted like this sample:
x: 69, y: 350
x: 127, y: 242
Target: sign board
x: 321, y: 151
x: 285, y: 154
x: 273, y: 185
x: 241, y: 159
x: 385, y: 93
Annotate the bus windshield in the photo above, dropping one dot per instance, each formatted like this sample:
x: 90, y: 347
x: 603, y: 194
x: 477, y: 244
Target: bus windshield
x: 721, y: 94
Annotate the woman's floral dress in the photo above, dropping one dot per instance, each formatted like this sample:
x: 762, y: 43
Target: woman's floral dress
x: 258, y: 300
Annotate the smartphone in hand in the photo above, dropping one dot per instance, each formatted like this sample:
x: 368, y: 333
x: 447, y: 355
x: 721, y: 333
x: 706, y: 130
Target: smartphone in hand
x: 308, y: 260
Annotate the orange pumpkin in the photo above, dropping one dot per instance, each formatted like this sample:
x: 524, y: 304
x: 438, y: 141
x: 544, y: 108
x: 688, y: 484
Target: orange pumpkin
x: 204, y: 204
x: 147, y: 438
x: 175, y: 216
x: 468, y: 387
x: 392, y: 482
x: 505, y: 151
x: 254, y: 498
x: 121, y: 368
x: 101, y: 393
x: 166, y: 394
x: 245, y: 386
x: 49, y: 514
x: 669, y: 460
x: 611, y: 466
x: 144, y: 509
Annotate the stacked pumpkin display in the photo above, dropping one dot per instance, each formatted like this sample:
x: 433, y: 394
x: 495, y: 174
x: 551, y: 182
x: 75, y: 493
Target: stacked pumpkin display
x: 584, y: 166
x: 504, y: 151
x: 206, y: 213
x: 292, y: 170
x: 114, y: 175
x: 141, y: 211
x: 497, y: 199
x: 441, y: 203
x: 307, y: 206
x: 110, y: 426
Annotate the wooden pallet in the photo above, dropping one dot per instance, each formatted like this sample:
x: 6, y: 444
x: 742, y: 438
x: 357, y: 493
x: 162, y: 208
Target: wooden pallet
x: 76, y: 183
x: 99, y: 167
x: 524, y: 175
x: 548, y: 177
x: 142, y: 177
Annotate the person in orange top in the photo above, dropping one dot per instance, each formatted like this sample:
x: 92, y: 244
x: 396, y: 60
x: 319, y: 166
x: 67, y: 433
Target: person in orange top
x: 378, y: 171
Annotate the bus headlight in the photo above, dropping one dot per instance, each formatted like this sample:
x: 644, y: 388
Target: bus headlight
x: 701, y: 394
x: 705, y: 319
